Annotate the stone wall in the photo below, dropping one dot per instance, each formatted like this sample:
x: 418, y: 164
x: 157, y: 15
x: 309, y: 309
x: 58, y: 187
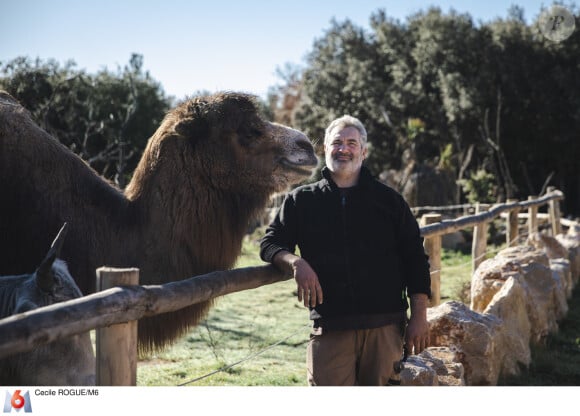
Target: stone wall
x: 517, y: 299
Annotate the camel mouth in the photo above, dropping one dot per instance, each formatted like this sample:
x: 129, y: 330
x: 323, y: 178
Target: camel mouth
x: 305, y: 168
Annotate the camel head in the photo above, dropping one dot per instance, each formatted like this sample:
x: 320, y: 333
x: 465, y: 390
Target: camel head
x: 221, y: 142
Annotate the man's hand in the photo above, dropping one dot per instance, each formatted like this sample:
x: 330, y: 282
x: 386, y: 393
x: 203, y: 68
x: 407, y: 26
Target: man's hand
x: 309, y: 289
x: 417, y: 334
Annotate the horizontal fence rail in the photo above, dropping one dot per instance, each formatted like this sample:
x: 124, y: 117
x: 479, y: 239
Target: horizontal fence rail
x: 433, y: 228
x: 460, y: 223
x: 23, y: 332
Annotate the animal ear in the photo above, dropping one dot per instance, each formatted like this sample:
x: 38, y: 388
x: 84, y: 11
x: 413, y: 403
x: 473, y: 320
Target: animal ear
x: 44, y: 277
x: 192, y: 127
x: 193, y: 120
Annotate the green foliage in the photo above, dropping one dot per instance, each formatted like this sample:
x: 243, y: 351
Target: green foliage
x: 446, y: 156
x: 498, y: 86
x: 415, y: 126
x: 106, y: 118
x: 480, y: 187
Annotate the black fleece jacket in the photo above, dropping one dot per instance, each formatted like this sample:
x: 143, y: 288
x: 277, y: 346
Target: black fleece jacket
x: 365, y: 245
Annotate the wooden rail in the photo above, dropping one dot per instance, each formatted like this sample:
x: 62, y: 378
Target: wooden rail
x: 432, y: 231
x: 23, y: 332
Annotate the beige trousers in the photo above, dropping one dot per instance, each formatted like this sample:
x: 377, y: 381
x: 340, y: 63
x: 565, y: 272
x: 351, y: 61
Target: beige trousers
x: 363, y: 357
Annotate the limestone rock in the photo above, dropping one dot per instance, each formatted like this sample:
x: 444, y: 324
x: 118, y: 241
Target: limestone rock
x: 473, y: 336
x: 542, y: 300
x: 491, y: 274
x: 524, y: 254
x: 435, y: 366
x: 416, y: 372
x: 571, y: 242
x: 564, y: 286
x: 488, y: 279
x: 510, y: 304
x: 558, y: 256
x: 550, y: 245
x: 445, y: 362
x: 541, y: 288
x: 453, y: 241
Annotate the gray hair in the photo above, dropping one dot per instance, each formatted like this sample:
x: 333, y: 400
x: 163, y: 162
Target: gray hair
x: 346, y: 121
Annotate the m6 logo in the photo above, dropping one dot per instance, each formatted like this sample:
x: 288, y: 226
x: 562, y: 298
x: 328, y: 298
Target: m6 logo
x: 17, y: 402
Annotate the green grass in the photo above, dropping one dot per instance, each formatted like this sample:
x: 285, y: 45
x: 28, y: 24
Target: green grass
x: 455, y: 276
x: 244, y: 324
x: 239, y: 326
x: 258, y: 338
x: 556, y: 362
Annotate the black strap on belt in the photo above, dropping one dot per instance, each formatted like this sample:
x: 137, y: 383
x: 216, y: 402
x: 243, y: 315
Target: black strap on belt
x: 395, y: 379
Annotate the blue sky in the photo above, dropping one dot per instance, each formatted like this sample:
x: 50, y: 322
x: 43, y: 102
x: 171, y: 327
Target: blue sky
x: 193, y: 45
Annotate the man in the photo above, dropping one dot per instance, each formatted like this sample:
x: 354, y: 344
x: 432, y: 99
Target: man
x: 361, y: 255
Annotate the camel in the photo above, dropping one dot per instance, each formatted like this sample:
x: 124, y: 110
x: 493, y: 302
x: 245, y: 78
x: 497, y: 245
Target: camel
x: 206, y: 172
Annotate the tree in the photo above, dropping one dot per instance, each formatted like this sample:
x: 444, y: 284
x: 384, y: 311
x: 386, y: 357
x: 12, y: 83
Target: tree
x: 105, y: 118
x: 345, y: 76
x: 493, y: 99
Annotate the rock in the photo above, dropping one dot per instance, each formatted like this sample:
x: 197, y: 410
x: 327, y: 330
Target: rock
x: 473, y: 336
x: 417, y: 372
x: 564, y: 286
x: 435, y: 366
x: 542, y: 300
x: 445, y: 362
x: 510, y: 305
x: 488, y: 279
x: 571, y: 242
x: 453, y: 241
x: 550, y: 245
x: 542, y: 290
x: 524, y: 254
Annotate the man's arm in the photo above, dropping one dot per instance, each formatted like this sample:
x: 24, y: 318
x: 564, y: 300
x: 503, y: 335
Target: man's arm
x: 276, y: 247
x: 417, y: 334
x: 309, y: 289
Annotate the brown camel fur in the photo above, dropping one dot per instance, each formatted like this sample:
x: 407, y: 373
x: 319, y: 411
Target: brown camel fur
x: 207, y: 171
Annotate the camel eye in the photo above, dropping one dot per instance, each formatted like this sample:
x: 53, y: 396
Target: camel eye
x: 255, y: 132
x: 249, y: 136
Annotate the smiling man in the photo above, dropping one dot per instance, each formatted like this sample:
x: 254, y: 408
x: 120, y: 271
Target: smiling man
x: 361, y: 256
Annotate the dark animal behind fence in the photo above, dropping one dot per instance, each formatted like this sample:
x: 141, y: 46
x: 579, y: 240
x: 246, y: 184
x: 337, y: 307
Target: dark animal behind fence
x: 70, y: 361
x: 205, y: 174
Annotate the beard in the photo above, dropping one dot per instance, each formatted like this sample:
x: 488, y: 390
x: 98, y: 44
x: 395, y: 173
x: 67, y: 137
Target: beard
x: 344, y: 164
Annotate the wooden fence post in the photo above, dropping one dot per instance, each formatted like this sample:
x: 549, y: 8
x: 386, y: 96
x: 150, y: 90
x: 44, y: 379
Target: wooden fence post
x: 432, y: 246
x: 532, y: 216
x: 512, y: 230
x: 479, y: 242
x: 116, y: 345
x: 554, y: 208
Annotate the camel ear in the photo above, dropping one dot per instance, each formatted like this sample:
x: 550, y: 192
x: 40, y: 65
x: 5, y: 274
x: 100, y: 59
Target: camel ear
x: 192, y: 127
x: 194, y: 122
x: 44, y: 276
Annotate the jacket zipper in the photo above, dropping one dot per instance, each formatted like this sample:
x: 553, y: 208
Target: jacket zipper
x: 350, y: 287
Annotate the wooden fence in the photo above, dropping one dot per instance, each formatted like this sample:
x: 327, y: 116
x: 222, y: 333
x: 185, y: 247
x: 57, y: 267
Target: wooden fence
x: 433, y: 228
x: 114, y: 307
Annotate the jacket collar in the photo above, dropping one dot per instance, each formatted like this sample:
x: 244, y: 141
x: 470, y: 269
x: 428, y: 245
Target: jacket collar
x: 364, y: 179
